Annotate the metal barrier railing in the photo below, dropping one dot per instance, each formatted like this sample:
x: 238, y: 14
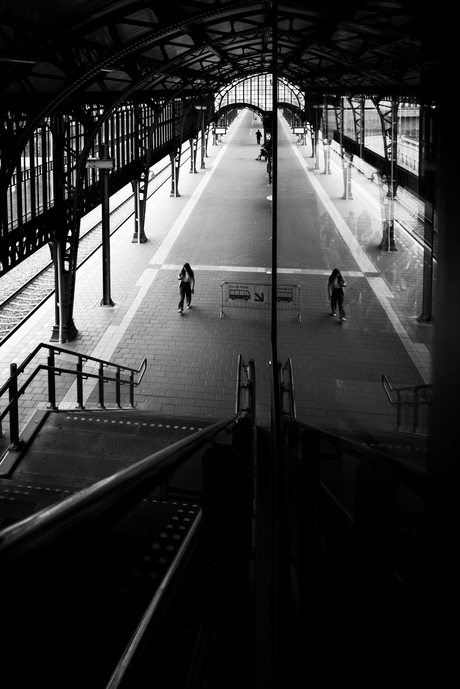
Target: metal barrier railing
x: 412, y: 405
x: 15, y: 390
x: 249, y: 295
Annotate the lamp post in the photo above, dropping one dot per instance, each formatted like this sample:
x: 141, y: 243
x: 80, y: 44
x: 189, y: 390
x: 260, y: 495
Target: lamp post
x: 104, y: 165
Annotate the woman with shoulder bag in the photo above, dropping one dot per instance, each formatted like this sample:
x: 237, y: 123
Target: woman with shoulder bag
x: 186, y: 286
x: 335, y: 292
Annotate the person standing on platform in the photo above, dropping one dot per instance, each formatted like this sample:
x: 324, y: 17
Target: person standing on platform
x: 186, y: 286
x: 335, y: 292
x: 258, y: 136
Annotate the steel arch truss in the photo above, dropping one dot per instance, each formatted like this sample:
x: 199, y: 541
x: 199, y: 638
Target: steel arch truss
x: 68, y: 67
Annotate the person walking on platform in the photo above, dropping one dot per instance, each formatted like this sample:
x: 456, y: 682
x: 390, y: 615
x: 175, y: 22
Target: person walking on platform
x: 186, y: 286
x: 335, y: 292
x: 258, y: 136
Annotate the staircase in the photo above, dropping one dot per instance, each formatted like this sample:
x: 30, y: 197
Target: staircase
x: 104, y: 585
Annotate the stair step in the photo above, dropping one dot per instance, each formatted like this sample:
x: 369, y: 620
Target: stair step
x: 402, y: 446
x: 99, y: 590
x: 83, y: 447
x: 20, y: 499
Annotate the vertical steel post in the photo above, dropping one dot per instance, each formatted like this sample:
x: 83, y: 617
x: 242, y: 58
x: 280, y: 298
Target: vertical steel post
x: 278, y: 535
x: 175, y: 159
x: 136, y: 185
x: 274, y: 313
x: 118, y: 388
x: 79, y: 404
x: 51, y: 382
x: 362, y: 132
x: 172, y: 158
x: 203, y: 138
x: 131, y: 389
x: 104, y: 174
x: 393, y: 171
x: 192, y: 155
x: 60, y: 284
x: 101, y: 385
x: 428, y: 147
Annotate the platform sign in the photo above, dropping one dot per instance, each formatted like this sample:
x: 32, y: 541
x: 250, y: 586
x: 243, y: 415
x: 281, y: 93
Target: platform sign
x: 101, y: 163
x: 299, y: 130
x: 286, y: 294
x: 220, y: 130
x: 249, y: 295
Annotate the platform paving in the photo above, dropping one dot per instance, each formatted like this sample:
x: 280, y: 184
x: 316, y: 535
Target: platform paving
x: 222, y: 225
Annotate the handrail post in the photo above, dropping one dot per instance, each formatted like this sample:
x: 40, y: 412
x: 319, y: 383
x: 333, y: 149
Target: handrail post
x: 101, y: 385
x: 15, y: 442
x: 239, y: 367
x: 51, y: 381
x: 118, y: 388
x: 131, y: 390
x: 79, y: 404
x: 252, y: 388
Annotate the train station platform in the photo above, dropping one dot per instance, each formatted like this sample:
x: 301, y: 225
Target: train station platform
x: 221, y: 224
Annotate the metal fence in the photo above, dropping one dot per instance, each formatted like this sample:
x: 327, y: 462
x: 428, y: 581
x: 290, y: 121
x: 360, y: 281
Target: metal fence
x: 249, y: 295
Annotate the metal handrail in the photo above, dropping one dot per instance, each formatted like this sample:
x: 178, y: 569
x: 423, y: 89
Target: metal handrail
x: 414, y: 475
x: 15, y: 392
x: 60, y: 350
x: 399, y: 397
x: 390, y: 388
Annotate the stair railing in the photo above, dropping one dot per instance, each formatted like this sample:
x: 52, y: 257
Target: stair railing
x: 100, y: 505
x: 288, y: 406
x: 245, y: 387
x: 412, y: 405
x: 313, y: 462
x: 15, y: 391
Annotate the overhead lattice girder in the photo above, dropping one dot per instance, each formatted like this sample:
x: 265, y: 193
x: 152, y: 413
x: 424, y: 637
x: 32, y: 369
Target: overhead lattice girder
x: 134, y: 45
x: 208, y: 28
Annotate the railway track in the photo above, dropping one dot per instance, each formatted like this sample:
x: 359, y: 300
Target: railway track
x: 36, y: 277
